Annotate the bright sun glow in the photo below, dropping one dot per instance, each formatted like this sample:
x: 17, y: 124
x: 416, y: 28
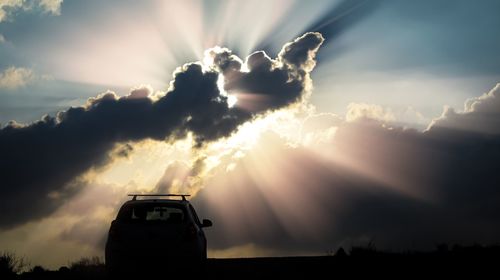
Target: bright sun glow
x: 231, y: 100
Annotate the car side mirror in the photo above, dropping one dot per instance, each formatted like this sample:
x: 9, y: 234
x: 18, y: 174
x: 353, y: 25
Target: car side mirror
x: 206, y: 223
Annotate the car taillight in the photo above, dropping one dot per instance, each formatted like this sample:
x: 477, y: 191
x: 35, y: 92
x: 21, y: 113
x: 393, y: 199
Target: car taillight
x: 190, y: 232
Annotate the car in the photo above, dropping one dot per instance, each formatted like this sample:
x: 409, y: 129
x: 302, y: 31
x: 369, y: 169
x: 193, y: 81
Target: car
x: 156, y: 233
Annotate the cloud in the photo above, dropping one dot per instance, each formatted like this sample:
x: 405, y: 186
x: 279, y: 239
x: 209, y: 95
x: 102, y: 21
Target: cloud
x: 40, y: 160
x: 16, y: 77
x: 6, y: 5
x: 9, y: 7
x: 269, y: 83
x: 356, y: 111
x: 400, y: 188
x: 403, y: 116
x: 51, y: 6
x: 481, y: 115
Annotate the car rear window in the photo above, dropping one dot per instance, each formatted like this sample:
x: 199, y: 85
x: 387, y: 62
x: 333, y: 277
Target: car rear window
x: 152, y: 212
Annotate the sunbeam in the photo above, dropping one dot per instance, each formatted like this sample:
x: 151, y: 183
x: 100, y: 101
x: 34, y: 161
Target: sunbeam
x: 161, y: 36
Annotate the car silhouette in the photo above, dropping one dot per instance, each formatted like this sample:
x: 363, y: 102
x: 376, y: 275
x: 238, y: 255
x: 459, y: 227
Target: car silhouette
x: 156, y: 233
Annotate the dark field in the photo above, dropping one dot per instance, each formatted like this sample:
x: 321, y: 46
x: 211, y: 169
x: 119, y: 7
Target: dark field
x: 476, y: 261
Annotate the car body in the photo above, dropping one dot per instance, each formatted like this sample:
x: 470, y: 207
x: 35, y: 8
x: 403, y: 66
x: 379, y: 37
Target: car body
x: 156, y: 233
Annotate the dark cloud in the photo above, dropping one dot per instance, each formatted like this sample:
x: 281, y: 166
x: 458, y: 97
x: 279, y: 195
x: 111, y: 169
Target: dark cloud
x: 400, y: 188
x: 39, y: 160
x: 275, y: 83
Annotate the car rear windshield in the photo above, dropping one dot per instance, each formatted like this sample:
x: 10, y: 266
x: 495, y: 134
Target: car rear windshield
x: 152, y: 212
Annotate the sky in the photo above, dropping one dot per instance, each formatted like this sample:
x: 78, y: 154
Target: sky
x: 297, y: 126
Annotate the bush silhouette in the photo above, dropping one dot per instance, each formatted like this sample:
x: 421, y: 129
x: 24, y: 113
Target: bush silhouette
x: 11, y: 265
x: 88, y: 268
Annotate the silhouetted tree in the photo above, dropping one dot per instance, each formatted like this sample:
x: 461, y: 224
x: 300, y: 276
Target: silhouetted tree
x: 341, y: 253
x: 11, y: 265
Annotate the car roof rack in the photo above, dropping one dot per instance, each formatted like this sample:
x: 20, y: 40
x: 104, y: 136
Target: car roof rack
x: 135, y: 195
